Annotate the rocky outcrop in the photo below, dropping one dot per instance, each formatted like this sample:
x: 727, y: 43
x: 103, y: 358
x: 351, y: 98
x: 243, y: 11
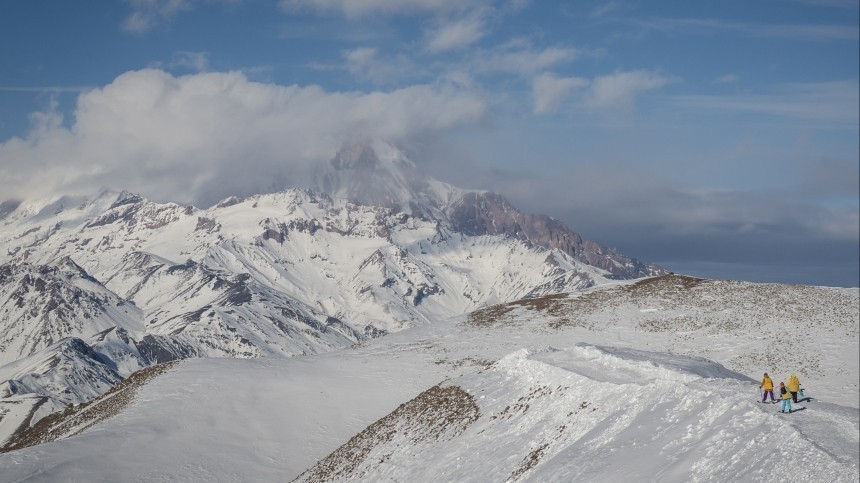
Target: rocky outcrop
x: 484, y: 213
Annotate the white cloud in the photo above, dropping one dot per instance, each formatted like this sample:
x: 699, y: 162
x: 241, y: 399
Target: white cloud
x: 199, y: 137
x: 549, y: 91
x: 194, y: 61
x: 609, y: 7
x: 185, y: 60
x: 365, y: 63
x: 361, y: 62
x: 450, y: 35
x: 520, y: 57
x: 620, y: 89
x: 146, y: 14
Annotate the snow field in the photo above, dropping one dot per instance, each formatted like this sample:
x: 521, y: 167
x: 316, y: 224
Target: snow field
x: 545, y: 423
x: 582, y: 413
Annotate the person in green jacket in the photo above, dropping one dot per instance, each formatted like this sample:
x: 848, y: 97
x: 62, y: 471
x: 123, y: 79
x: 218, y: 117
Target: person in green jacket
x: 785, y: 397
x: 767, y: 386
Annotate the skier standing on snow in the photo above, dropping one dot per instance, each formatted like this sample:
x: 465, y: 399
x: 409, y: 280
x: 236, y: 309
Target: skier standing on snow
x: 793, y: 387
x: 786, y: 398
x: 767, y: 385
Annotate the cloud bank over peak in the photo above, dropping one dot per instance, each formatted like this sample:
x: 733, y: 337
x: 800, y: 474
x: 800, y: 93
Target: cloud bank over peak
x: 200, y: 137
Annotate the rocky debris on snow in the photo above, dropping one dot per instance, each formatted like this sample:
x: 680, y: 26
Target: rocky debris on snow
x: 77, y: 419
x: 436, y: 415
x: 687, y: 309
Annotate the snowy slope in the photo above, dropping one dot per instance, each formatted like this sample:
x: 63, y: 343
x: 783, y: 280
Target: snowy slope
x: 594, y: 414
x: 552, y: 389
x: 282, y: 274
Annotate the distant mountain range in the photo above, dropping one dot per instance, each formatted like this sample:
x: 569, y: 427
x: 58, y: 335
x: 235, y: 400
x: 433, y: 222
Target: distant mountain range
x: 93, y: 289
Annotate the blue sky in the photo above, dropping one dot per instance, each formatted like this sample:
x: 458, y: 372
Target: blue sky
x: 719, y: 139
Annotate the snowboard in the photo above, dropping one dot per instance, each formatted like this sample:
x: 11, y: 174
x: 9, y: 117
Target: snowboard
x: 793, y: 410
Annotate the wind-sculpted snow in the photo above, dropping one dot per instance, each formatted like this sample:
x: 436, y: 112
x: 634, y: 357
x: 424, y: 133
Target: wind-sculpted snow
x: 612, y: 364
x: 750, y: 328
x: 538, y: 417
x: 604, y: 405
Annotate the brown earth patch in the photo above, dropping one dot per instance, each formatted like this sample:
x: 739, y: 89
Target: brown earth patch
x: 437, y: 414
x: 77, y: 419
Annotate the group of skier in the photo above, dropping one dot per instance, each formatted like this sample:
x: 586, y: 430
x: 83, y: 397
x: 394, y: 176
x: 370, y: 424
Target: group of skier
x: 787, y: 394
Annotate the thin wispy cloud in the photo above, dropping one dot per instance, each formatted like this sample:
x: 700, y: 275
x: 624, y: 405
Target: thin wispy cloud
x: 456, y: 34
x: 726, y: 79
x: 787, y: 31
x: 549, y: 91
x: 828, y: 101
x: 59, y: 89
x: 354, y: 8
x: 146, y: 14
x: 620, y: 89
x: 521, y: 57
x: 609, y: 7
x: 185, y: 61
x: 366, y: 63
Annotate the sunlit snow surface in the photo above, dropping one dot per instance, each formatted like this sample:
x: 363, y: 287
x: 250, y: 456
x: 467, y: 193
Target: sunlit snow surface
x: 556, y: 402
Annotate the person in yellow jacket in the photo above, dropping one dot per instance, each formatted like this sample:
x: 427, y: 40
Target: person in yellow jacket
x: 793, y: 387
x: 785, y: 397
x: 767, y: 386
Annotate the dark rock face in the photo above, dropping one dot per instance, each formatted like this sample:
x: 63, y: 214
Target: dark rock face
x: 7, y: 207
x: 490, y: 214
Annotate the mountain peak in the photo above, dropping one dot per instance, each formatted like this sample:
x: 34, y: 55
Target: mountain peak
x: 378, y: 174
x: 370, y: 156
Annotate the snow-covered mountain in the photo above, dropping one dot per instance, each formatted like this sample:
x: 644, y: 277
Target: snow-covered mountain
x: 42, y: 304
x: 115, y: 283
x: 377, y: 174
x: 654, y: 379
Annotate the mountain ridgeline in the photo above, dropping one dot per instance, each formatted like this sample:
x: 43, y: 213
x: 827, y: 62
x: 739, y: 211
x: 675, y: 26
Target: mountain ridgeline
x: 93, y: 289
x: 379, y: 175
